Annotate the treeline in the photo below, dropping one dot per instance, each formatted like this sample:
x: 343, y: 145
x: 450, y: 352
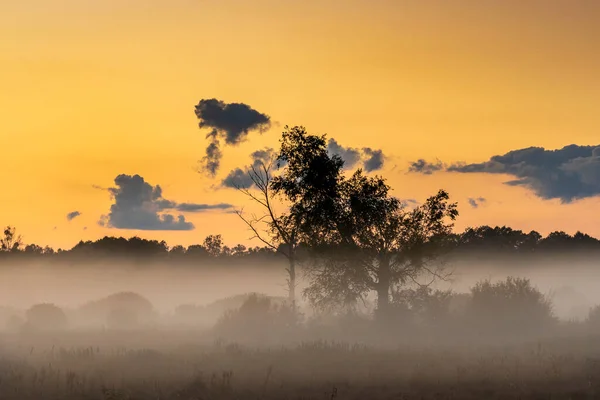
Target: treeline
x: 473, y: 241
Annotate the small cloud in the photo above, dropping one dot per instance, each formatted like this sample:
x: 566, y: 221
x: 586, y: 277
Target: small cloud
x: 422, y: 166
x: 475, y: 202
x: 139, y: 205
x: 350, y: 155
x: 230, y: 122
x: 372, y: 159
x: 237, y: 178
x: 411, y: 203
x: 72, y: 215
x: 240, y: 178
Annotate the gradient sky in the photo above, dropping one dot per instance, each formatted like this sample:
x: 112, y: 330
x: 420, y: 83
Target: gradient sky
x: 96, y: 88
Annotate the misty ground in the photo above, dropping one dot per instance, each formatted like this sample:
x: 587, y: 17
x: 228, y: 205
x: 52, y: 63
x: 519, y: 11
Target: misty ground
x: 181, y: 355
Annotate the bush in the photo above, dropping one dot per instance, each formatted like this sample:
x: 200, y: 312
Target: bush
x: 119, y: 310
x: 508, y: 308
x: 593, y: 319
x: 46, y: 317
x: 258, y: 320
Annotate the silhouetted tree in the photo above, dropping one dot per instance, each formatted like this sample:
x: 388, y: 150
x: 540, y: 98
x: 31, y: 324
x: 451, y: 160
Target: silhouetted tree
x: 213, y: 245
x: 277, y: 231
x: 177, y: 250
x: 196, y: 250
x: 10, y: 241
x: 365, y: 239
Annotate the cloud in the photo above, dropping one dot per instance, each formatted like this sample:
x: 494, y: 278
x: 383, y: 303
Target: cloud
x: 237, y: 178
x: 72, y: 215
x: 350, y: 155
x: 372, y: 159
x: 193, y: 207
x: 425, y: 167
x: 139, y: 205
x: 230, y: 122
x: 568, y: 174
x: 240, y: 178
x: 475, y: 202
x: 410, y: 202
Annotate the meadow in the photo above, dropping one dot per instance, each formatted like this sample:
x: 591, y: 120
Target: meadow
x: 169, y: 365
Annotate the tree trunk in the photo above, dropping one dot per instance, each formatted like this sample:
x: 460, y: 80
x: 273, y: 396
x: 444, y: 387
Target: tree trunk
x: 383, y: 287
x: 292, y: 279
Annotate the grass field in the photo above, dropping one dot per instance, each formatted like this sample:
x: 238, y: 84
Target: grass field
x: 180, y: 365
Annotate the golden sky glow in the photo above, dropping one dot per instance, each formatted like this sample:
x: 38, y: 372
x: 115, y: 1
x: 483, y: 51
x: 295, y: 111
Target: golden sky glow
x: 95, y: 88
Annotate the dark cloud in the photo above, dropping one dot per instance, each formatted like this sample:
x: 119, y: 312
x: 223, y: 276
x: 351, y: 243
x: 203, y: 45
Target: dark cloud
x: 230, y: 122
x: 425, y: 167
x: 212, y: 160
x: 350, y: 155
x: 475, y: 202
x: 568, y: 174
x: 139, y: 205
x: 371, y: 159
x: 72, y: 215
x: 239, y: 178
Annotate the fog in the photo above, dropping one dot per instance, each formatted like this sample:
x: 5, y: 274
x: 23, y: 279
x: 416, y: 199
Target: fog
x: 573, y: 286
x: 164, y: 285
x: 119, y: 330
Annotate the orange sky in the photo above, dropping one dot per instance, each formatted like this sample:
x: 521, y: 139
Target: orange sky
x: 95, y: 88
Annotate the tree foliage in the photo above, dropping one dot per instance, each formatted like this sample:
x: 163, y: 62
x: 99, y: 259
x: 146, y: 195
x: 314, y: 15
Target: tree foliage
x: 363, y: 238
x: 10, y: 240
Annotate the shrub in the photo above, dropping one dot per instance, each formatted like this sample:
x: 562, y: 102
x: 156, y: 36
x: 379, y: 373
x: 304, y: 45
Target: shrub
x: 119, y: 310
x: 46, y: 316
x: 593, y: 319
x: 258, y: 320
x: 510, y: 307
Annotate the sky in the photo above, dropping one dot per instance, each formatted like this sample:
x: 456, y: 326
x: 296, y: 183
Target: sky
x: 95, y: 92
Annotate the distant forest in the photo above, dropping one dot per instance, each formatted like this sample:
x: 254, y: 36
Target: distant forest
x: 478, y: 241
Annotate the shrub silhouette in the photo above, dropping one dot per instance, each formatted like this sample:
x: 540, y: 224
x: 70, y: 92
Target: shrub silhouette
x: 258, y: 320
x: 508, y: 308
x: 209, y: 314
x: 46, y: 316
x: 593, y: 319
x: 119, y: 310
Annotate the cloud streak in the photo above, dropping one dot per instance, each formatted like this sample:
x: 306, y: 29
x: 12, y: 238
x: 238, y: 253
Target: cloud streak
x: 230, y: 123
x: 422, y: 166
